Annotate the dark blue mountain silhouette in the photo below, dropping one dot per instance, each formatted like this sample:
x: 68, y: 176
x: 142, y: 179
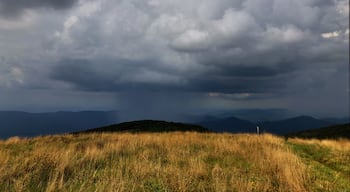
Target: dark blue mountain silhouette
x: 24, y: 124
x: 33, y: 124
x: 331, y: 132
x: 230, y: 125
x: 258, y: 115
x: 339, y: 121
x: 281, y: 127
x: 294, y: 124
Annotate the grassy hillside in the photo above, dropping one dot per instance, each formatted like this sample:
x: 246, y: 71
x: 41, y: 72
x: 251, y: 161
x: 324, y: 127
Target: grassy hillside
x: 177, y: 161
x: 148, y: 126
x: 332, y: 132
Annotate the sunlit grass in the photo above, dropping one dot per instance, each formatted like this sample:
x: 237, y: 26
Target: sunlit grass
x: 171, y: 162
x: 328, y: 162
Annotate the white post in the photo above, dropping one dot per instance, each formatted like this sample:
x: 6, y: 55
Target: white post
x: 257, y: 130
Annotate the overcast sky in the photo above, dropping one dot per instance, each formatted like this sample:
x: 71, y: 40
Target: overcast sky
x: 155, y: 58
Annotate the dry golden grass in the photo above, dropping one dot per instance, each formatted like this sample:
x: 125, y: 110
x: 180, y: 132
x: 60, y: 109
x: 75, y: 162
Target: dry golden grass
x: 339, y: 144
x: 152, y: 162
x: 328, y: 162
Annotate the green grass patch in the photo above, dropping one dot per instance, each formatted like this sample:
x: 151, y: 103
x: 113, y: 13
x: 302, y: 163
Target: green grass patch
x: 326, y: 172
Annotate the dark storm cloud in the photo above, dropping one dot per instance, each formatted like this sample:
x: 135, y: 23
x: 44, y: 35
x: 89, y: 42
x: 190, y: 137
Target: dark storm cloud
x: 110, y: 75
x: 81, y: 74
x: 216, y: 52
x: 254, y: 71
x: 13, y: 8
x: 239, y: 85
x: 245, y: 39
x: 250, y: 47
x: 84, y: 76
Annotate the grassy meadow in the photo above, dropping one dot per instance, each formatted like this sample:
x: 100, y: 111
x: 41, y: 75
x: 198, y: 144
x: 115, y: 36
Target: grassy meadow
x: 173, y: 162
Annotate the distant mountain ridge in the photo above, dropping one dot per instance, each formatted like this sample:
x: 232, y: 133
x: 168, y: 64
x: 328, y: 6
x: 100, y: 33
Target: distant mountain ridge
x: 23, y: 124
x: 294, y: 124
x: 14, y: 123
x: 259, y: 115
x: 148, y: 126
x: 339, y: 121
x: 230, y: 125
x: 331, y: 132
x: 281, y: 127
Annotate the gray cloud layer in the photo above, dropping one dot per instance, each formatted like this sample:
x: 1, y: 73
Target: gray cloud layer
x: 13, y: 8
x: 234, y: 53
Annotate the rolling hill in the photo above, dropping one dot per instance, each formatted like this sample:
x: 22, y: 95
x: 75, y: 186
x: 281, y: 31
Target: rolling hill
x: 230, y: 125
x: 338, y: 121
x: 331, y: 132
x: 280, y: 127
x: 295, y: 124
x: 259, y: 115
x: 148, y: 126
